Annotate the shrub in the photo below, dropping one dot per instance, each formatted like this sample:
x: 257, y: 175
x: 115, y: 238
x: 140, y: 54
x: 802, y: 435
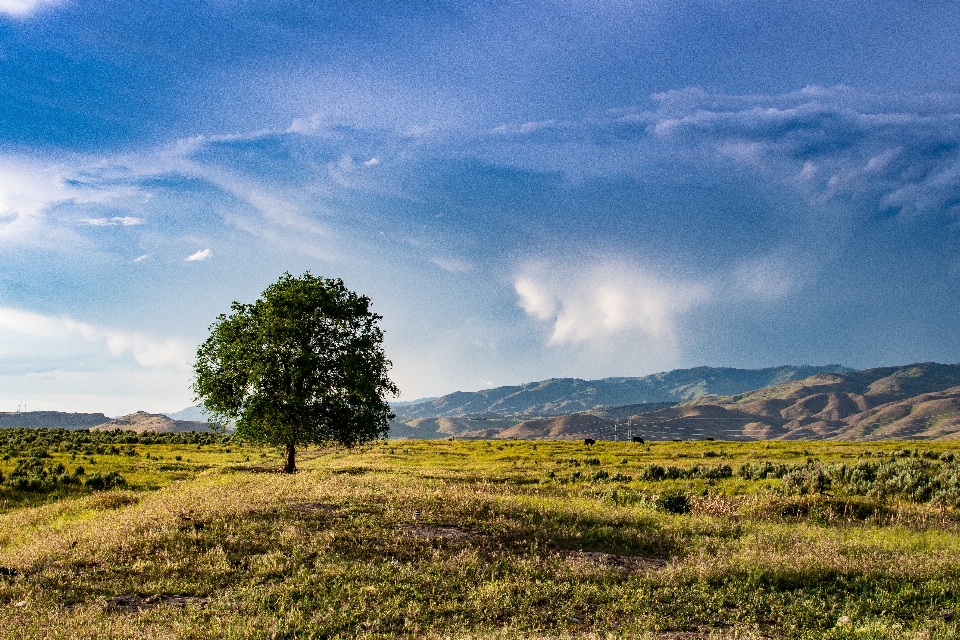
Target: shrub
x: 762, y: 471
x: 109, y: 480
x: 654, y: 472
x: 673, y: 502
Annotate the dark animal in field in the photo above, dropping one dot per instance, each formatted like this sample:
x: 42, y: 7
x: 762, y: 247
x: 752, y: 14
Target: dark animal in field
x: 709, y: 439
x: 589, y: 441
x: 638, y: 439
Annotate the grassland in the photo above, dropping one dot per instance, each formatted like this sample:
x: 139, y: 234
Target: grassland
x: 437, y: 539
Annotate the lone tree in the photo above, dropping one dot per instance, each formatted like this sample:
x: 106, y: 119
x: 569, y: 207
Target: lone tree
x: 304, y: 364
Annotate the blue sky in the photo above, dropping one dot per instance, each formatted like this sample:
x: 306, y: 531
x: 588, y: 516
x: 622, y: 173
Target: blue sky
x: 525, y: 190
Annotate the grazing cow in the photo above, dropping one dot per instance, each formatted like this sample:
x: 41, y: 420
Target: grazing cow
x: 709, y: 439
x: 589, y: 441
x: 638, y: 439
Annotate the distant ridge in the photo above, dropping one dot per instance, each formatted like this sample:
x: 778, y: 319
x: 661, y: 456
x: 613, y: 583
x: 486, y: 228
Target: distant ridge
x: 917, y: 401
x: 50, y: 420
x: 560, y: 396
x: 139, y: 422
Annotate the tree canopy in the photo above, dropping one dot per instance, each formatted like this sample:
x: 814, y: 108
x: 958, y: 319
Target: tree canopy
x: 304, y: 364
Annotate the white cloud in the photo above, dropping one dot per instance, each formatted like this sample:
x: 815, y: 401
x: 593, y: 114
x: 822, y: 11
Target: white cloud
x: 883, y: 150
x: 31, y: 324
x: 123, y: 221
x: 27, y: 190
x: 32, y: 190
x: 141, y: 258
x: 147, y: 352
x: 605, y: 301
x: 203, y: 254
x: 535, y: 299
x: 24, y: 8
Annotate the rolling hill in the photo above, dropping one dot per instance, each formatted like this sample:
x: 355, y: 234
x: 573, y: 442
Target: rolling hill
x: 142, y: 421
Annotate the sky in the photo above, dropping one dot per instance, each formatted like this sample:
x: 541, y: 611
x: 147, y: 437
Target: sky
x: 525, y: 190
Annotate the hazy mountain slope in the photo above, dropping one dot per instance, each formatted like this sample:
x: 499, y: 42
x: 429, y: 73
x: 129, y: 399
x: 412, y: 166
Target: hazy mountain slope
x: 569, y: 427
x: 434, y: 428
x: 194, y: 414
x: 560, y: 396
x: 51, y: 419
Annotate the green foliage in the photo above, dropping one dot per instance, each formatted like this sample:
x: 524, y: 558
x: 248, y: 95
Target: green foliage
x: 673, y: 502
x: 655, y: 472
x: 108, y: 480
x: 39, y: 442
x: 302, y: 365
x: 906, y: 478
x: 34, y: 475
x: 908, y: 475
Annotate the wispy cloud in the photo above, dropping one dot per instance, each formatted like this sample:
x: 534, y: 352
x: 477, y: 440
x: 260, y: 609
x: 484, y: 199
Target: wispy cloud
x: 203, y: 254
x: 123, y: 221
x: 887, y: 151
x: 27, y: 190
x: 36, y: 194
x: 25, y: 8
x: 146, y: 351
x: 453, y: 265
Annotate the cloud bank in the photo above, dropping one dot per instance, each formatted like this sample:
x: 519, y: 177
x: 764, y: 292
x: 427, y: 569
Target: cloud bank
x: 604, y: 301
x: 146, y: 352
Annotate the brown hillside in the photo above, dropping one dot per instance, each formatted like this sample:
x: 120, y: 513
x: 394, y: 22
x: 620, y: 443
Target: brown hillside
x: 569, y: 427
x: 437, y: 428
x: 844, y: 416
x: 141, y: 421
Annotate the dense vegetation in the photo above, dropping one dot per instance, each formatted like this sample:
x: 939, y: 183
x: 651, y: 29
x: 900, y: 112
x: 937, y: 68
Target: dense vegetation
x: 41, y: 464
x: 508, y: 539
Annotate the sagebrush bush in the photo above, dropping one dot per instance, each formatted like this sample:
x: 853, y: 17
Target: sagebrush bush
x: 673, y: 502
x: 904, y: 477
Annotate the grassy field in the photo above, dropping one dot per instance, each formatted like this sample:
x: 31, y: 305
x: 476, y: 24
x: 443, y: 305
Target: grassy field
x: 437, y: 539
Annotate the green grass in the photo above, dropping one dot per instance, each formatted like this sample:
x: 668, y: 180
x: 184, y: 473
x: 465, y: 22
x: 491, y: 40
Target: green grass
x: 509, y: 543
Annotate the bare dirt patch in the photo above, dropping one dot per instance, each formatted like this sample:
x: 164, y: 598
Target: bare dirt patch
x: 630, y: 564
x: 130, y: 602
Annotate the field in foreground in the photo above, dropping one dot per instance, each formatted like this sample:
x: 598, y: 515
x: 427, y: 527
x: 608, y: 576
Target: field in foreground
x: 504, y: 539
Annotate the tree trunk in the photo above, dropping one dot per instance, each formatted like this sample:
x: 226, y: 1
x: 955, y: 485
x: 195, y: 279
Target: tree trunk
x: 290, y: 459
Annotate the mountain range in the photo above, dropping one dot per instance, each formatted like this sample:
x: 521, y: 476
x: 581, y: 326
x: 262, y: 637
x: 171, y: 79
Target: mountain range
x: 559, y: 396
x: 918, y: 401
x: 915, y: 401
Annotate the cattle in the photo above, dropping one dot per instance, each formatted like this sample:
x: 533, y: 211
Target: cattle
x: 589, y: 441
x: 638, y: 439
